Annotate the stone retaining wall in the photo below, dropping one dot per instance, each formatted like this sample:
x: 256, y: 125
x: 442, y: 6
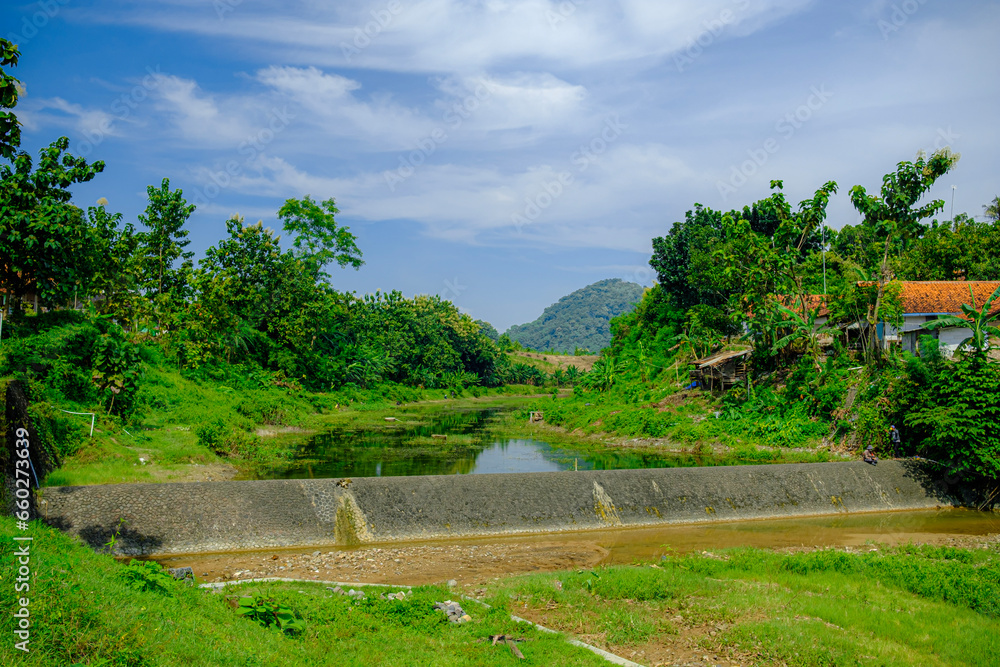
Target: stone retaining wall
x: 224, y: 516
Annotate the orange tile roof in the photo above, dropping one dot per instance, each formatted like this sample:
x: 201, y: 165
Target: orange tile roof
x: 941, y: 297
x: 813, y: 302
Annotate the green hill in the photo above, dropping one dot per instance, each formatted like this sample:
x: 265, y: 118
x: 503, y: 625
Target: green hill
x: 581, y: 319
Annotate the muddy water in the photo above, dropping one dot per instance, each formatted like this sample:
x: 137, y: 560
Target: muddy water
x: 436, y: 560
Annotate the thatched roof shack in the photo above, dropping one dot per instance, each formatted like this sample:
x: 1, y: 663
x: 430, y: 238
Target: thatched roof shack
x: 722, y: 370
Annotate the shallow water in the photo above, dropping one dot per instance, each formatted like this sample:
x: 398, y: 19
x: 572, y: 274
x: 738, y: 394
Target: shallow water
x: 628, y: 545
x: 473, y: 445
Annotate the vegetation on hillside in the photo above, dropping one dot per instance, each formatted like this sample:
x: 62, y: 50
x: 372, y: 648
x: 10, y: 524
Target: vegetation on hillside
x: 580, y: 320
x: 748, y: 279
x: 119, y: 315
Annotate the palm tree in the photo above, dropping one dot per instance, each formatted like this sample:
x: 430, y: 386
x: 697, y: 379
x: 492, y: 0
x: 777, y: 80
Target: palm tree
x: 979, y: 321
x: 992, y: 210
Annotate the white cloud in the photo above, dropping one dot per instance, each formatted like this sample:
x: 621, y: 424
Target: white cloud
x: 57, y: 112
x: 458, y: 36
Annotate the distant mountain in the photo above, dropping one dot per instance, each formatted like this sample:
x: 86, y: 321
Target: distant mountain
x: 581, y: 319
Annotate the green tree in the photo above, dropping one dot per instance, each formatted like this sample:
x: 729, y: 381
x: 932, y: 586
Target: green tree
x: 317, y: 239
x: 164, y: 242
x: 992, y: 210
x: 894, y: 215
x: 117, y: 275
x: 10, y: 128
x: 962, y: 249
x: 48, y: 245
x: 958, y: 415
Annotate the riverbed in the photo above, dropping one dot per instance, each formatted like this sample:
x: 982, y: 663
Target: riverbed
x: 473, y: 561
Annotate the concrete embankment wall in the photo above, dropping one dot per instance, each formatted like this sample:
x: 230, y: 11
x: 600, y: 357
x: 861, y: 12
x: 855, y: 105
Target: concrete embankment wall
x: 223, y: 516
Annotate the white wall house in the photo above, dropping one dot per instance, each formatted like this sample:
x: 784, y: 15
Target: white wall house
x: 926, y: 301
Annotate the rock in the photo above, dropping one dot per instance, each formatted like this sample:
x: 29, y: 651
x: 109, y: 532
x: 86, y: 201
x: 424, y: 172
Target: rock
x: 181, y: 573
x: 452, y: 583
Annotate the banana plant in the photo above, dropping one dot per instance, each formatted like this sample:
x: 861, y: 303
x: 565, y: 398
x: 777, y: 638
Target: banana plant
x: 802, y: 328
x: 980, y: 321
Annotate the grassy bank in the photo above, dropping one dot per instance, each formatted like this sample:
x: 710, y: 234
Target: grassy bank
x: 880, y: 606
x: 87, y: 609
x: 687, y: 425
x: 189, y: 428
x: 911, y: 605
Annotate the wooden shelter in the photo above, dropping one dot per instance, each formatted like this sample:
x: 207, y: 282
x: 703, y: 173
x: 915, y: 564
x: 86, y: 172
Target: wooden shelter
x: 722, y: 370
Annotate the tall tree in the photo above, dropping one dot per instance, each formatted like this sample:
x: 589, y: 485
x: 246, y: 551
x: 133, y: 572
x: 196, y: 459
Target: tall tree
x: 48, y: 246
x: 164, y: 242
x: 117, y: 275
x: 894, y: 214
x: 317, y: 239
x: 10, y: 129
x: 992, y: 210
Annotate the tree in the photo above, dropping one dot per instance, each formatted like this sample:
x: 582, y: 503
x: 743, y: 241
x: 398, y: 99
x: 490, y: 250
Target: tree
x: 959, y: 415
x: 317, y: 238
x: 117, y: 274
x: 674, y: 254
x: 894, y: 214
x: 992, y: 210
x: 164, y: 243
x: 10, y: 128
x: 48, y: 245
x: 962, y: 249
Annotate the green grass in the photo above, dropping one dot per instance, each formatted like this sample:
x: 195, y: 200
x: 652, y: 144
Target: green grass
x: 893, y: 606
x: 86, y: 610
x: 912, y: 606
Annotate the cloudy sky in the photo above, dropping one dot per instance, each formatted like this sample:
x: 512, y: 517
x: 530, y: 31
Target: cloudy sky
x: 503, y: 153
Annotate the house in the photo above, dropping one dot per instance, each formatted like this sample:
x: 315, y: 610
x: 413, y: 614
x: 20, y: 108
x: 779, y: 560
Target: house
x: 925, y: 302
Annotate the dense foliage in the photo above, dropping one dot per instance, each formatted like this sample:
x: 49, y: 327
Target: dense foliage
x: 580, y: 320
x: 764, y: 278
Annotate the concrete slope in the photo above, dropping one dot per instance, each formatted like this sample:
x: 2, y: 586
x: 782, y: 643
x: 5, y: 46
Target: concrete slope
x: 223, y: 516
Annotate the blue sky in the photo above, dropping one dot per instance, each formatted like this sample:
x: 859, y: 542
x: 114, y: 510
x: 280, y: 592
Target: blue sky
x: 503, y: 153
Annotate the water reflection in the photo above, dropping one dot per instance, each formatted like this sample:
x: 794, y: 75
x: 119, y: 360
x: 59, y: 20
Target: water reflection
x: 473, y: 445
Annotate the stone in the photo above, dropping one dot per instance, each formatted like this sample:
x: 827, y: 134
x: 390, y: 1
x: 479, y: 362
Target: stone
x: 181, y: 573
x: 452, y: 583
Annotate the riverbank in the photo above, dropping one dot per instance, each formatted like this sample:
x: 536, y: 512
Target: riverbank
x: 197, y: 431
x: 875, y: 605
